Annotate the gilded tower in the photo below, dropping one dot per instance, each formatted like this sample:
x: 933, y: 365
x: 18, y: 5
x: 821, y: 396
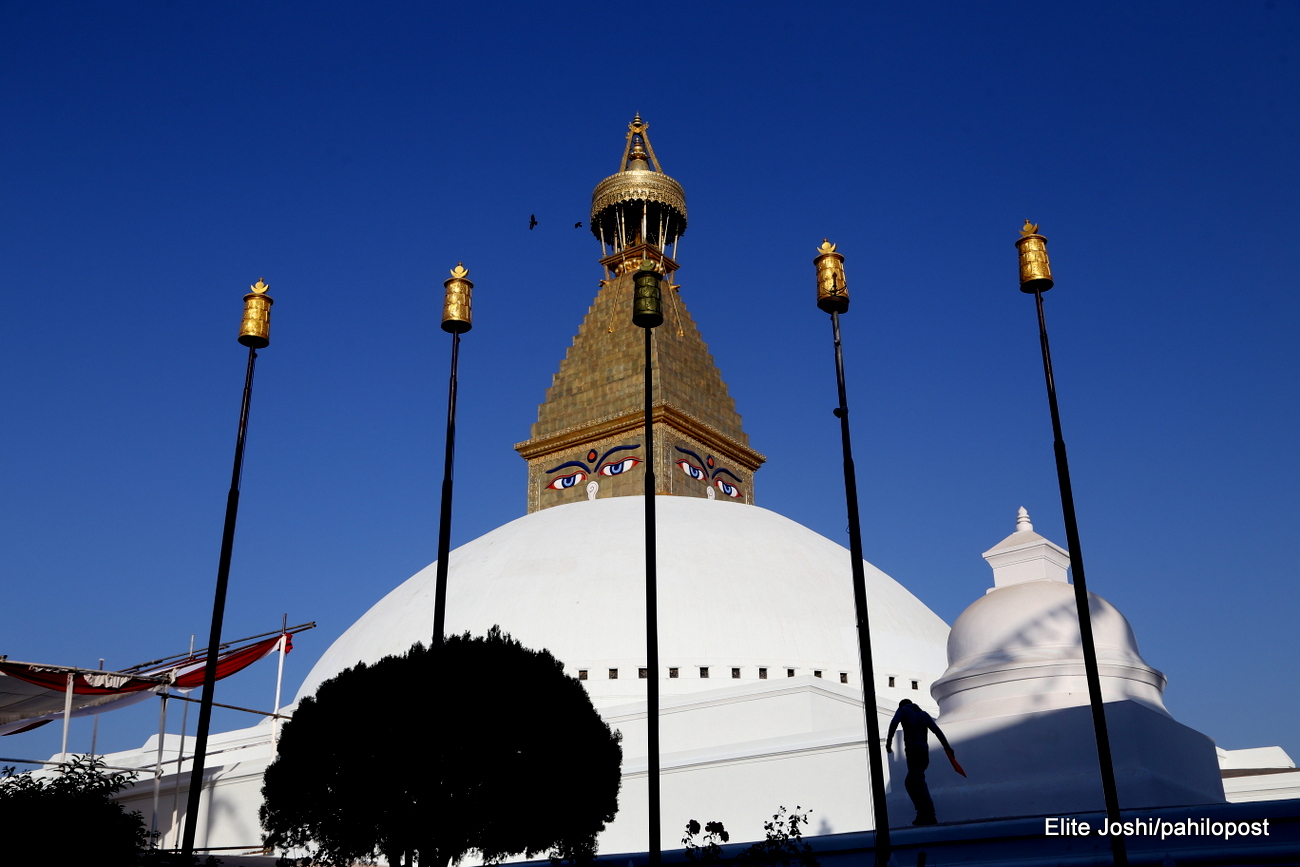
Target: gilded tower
x: 588, y: 439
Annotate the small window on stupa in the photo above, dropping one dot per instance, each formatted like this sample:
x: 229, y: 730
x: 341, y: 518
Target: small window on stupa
x: 816, y: 673
x: 582, y: 674
x: 704, y: 671
x: 672, y: 672
x: 613, y: 674
x: 643, y: 673
x: 844, y: 677
x: 735, y: 673
x: 789, y: 672
x: 762, y: 674
x: 891, y: 681
x: 916, y: 684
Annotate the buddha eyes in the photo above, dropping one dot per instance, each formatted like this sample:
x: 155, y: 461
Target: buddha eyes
x: 618, y: 467
x: 700, y: 474
x: 729, y: 490
x: 565, y: 482
x: 691, y: 470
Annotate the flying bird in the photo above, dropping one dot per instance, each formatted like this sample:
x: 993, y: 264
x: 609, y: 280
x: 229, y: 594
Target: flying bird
x: 578, y: 225
x: 532, y: 221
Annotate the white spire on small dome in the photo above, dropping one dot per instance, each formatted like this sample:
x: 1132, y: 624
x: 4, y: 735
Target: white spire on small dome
x: 1026, y: 556
x: 1023, y: 524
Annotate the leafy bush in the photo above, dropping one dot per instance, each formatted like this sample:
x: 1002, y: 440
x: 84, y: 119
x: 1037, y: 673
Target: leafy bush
x: 711, y: 851
x: 782, y: 845
x: 72, y: 813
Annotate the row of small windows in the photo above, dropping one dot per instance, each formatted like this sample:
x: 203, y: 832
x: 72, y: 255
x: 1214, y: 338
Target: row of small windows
x: 644, y: 673
x: 916, y: 684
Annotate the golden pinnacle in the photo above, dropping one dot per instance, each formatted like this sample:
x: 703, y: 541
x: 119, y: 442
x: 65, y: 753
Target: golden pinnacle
x: 260, y: 286
x: 1029, y: 229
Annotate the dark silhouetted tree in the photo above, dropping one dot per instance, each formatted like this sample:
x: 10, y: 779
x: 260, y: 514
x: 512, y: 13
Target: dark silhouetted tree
x: 70, y: 817
x: 486, y: 747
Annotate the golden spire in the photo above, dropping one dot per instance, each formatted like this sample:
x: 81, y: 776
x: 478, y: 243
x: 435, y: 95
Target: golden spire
x: 589, y: 439
x: 639, y: 199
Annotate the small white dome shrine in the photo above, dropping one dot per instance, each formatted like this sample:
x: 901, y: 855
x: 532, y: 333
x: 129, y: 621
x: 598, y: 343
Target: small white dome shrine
x: 1018, y: 648
x: 1014, y: 704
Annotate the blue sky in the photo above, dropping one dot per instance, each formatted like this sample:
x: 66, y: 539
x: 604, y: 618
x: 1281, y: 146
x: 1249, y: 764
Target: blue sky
x: 156, y: 158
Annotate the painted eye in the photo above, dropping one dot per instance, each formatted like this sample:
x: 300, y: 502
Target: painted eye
x: 565, y: 482
x: 729, y: 490
x: 618, y: 467
x: 691, y: 470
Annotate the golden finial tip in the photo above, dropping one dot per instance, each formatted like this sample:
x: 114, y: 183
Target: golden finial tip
x: 460, y: 270
x: 260, y: 286
x: 826, y: 247
x: 1029, y: 229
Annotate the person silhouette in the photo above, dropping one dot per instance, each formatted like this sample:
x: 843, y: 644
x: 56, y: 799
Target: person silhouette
x: 916, y: 725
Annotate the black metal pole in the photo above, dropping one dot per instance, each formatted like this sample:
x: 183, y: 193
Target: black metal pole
x: 444, y: 517
x: 1109, y: 790
x: 218, y: 614
x: 651, y: 607
x: 875, y: 762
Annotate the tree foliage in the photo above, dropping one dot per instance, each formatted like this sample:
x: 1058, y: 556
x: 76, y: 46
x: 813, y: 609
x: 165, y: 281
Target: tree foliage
x: 71, y: 812
x: 708, y: 849
x: 485, y: 747
x: 782, y: 844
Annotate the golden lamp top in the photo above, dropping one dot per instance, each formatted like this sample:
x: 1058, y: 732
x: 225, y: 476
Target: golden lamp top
x: 255, y: 328
x: 1035, y: 268
x: 832, y: 288
x: 456, y: 314
x: 639, y: 189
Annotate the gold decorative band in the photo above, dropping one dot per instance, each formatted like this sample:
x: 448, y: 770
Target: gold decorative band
x: 662, y: 413
x: 642, y: 186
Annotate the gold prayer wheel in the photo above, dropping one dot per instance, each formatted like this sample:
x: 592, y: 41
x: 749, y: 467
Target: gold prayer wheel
x: 456, y: 316
x: 1035, y: 269
x: 647, y: 303
x: 255, y: 330
x: 832, y: 289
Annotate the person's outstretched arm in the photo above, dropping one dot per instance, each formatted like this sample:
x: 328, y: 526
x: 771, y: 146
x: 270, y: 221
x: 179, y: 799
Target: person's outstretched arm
x: 893, y: 727
x: 934, y: 727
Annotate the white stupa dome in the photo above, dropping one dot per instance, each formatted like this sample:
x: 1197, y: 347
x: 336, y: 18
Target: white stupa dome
x: 1018, y: 648
x: 740, y: 589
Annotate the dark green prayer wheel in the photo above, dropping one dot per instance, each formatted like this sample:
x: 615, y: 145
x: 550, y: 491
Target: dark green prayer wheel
x: 647, y: 305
